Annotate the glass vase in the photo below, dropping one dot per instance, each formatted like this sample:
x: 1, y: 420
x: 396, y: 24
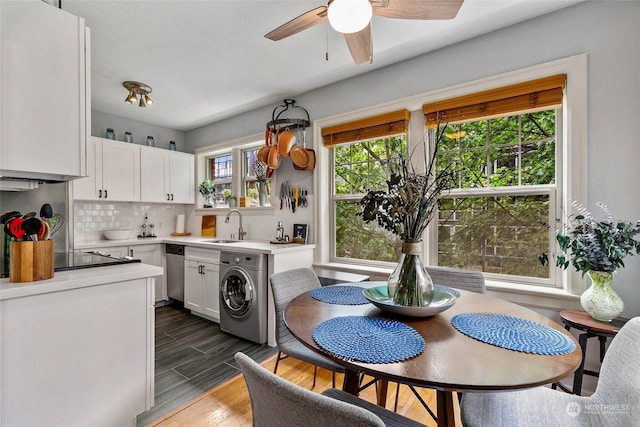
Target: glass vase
x: 209, y: 201
x: 409, y: 284
x: 262, y: 193
x: 600, y: 300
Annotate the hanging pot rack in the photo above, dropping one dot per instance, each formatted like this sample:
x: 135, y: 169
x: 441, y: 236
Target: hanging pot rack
x: 291, y: 123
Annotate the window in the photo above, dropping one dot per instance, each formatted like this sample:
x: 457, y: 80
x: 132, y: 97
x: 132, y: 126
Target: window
x: 509, y: 178
x: 220, y: 171
x: 361, y: 150
x: 232, y: 166
x: 250, y: 168
x: 503, y: 144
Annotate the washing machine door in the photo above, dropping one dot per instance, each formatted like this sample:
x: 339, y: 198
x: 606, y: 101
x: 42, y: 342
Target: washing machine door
x: 236, y: 292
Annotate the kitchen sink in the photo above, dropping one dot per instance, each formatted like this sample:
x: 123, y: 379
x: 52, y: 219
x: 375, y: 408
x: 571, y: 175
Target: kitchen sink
x: 221, y: 241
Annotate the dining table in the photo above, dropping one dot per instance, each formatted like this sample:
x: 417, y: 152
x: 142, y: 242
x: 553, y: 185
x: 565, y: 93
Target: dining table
x: 450, y: 361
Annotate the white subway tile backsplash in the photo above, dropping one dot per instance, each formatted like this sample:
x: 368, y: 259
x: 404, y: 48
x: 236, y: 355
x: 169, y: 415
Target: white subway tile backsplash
x: 91, y: 218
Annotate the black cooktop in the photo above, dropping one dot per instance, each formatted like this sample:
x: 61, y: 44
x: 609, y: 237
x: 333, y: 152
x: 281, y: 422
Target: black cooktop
x: 77, y: 260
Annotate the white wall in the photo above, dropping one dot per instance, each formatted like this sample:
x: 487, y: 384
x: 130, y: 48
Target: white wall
x: 606, y: 31
x: 162, y: 135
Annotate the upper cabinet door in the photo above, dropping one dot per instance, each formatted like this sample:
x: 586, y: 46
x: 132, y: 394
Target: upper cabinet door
x: 120, y: 171
x: 44, y: 91
x: 90, y: 188
x: 154, y: 175
x: 166, y: 176
x: 182, y: 177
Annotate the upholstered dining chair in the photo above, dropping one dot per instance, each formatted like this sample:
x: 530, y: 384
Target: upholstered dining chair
x: 286, y: 286
x: 468, y: 280
x: 277, y: 402
x: 616, y: 401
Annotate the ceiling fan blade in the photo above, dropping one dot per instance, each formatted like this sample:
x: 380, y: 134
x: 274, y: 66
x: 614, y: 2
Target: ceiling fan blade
x: 302, y: 22
x: 360, y: 45
x: 417, y: 9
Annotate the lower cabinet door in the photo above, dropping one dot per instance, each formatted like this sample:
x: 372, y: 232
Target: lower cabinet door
x: 193, y: 291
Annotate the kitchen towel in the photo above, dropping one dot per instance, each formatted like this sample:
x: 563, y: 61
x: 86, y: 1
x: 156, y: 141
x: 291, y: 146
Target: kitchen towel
x: 180, y: 224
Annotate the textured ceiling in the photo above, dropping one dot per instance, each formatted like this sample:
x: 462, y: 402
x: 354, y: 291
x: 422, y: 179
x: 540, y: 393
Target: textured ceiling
x: 207, y: 60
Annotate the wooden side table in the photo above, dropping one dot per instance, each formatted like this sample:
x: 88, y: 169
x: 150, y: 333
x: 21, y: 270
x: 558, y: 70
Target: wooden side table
x: 591, y: 328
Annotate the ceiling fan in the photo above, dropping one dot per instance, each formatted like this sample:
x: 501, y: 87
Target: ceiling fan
x: 353, y: 19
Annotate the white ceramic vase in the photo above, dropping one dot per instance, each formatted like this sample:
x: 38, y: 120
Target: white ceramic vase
x: 600, y: 300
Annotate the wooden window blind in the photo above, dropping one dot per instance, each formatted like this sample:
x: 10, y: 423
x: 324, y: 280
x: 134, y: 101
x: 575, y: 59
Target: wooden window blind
x: 533, y: 95
x: 380, y: 126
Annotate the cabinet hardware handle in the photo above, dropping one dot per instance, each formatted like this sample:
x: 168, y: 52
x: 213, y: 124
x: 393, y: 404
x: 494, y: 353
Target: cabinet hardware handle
x: 172, y: 197
x: 99, y: 194
x: 105, y: 194
x: 168, y: 196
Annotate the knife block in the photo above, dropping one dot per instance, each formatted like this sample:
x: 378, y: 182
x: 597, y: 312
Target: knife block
x: 30, y: 261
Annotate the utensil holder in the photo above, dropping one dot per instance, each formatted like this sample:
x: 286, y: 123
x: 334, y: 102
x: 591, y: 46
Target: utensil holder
x: 31, y: 261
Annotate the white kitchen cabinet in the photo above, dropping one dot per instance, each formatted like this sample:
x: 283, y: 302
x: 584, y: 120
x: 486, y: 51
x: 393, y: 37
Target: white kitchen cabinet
x: 151, y: 254
x: 113, y: 170
x: 166, y: 176
x: 45, y: 91
x: 202, y: 282
x: 80, y: 353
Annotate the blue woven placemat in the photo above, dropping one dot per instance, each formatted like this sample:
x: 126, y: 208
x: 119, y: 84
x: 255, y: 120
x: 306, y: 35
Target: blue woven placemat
x: 340, y: 294
x: 513, y: 333
x: 368, y: 339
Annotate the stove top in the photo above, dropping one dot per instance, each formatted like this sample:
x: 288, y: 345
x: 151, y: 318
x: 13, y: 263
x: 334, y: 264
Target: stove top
x: 77, y: 260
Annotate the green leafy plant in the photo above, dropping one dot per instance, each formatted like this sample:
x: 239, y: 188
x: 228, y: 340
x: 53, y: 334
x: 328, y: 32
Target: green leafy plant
x: 207, y: 188
x: 411, y: 199
x: 591, y: 244
x: 228, y: 195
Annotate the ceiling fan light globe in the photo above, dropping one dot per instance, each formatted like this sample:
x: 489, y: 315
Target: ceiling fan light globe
x: 349, y: 16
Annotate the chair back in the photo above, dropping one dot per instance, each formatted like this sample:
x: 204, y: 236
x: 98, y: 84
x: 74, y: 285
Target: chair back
x: 619, y: 381
x: 279, y: 403
x: 286, y: 286
x: 468, y: 280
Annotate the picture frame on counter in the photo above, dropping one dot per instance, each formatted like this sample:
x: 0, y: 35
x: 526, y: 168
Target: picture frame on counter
x: 300, y: 233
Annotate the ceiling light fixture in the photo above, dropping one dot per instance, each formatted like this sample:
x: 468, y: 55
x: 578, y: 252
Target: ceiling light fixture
x: 349, y: 16
x: 135, y: 89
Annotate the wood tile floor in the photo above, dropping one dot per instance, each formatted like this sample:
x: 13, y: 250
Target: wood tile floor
x: 192, y: 356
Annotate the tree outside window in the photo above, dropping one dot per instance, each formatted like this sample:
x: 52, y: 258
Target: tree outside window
x: 497, y: 219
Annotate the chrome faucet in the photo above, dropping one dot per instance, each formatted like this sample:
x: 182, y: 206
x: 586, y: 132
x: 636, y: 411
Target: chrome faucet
x: 241, y: 232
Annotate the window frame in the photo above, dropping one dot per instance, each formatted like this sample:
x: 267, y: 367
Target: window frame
x: 553, y: 191
x: 572, y: 181
x: 334, y: 198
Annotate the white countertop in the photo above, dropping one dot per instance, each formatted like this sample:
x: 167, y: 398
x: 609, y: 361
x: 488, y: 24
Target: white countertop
x: 245, y: 246
x: 75, y: 279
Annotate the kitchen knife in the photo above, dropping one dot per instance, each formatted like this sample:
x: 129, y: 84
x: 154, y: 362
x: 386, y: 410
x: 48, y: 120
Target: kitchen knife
x: 281, y: 195
x: 297, y: 192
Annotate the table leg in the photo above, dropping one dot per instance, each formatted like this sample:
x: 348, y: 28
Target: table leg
x: 351, y: 383
x: 383, y: 385
x: 446, y: 416
x: 577, y: 375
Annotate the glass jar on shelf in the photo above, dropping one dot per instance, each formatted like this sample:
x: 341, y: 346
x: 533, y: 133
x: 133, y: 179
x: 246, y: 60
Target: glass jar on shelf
x: 150, y: 141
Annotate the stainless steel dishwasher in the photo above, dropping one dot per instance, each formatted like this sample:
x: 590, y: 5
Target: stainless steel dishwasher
x: 175, y: 271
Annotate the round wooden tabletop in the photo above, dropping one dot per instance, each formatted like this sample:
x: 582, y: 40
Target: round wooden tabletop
x: 583, y: 321
x: 451, y: 361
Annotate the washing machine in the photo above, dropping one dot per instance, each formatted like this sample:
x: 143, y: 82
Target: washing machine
x: 243, y: 295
